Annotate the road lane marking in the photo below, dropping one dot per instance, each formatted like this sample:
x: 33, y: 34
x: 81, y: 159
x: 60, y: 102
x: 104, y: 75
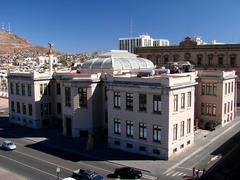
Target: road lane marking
x: 175, y: 174
x: 29, y: 166
x: 169, y: 173
x: 149, y: 177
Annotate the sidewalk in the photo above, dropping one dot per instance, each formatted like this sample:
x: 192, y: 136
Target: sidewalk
x: 5, y: 174
x: 56, y: 142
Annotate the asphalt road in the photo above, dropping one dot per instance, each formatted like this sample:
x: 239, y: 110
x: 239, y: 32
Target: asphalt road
x: 37, y: 165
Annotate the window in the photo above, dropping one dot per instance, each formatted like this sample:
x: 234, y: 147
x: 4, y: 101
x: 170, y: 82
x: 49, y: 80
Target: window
x: 189, y: 101
x: 117, y: 100
x: 24, y: 108
x: 117, y: 126
x: 232, y: 60
x: 23, y: 89
x: 18, y: 107
x: 229, y: 86
x: 175, y: 102
x: 156, y: 151
x: 157, y: 103
x: 30, y: 109
x: 58, y: 89
x: 82, y: 92
x: 182, y: 100
x: 142, y: 148
x: 214, y: 107
x: 129, y: 128
x: 142, y: 131
x: 129, y: 101
x: 220, y: 60
x: 202, y: 108
x: 182, y: 129
x: 231, y: 105
x: 210, y: 60
x: 225, y: 108
x: 209, y: 109
x: 129, y: 145
x: 12, y: 106
x: 175, y: 132
x: 199, y: 60
x: 188, y: 126
x: 182, y: 146
x: 232, y: 87
x: 59, y: 108
x: 17, y: 88
x: 156, y: 133
x: 67, y: 96
x: 225, y: 88
x: 41, y: 89
x: 209, y: 89
x: 142, y: 102
x: 214, y: 89
x: 29, y: 89
x: 203, y: 89
x: 11, y: 88
x: 228, y: 107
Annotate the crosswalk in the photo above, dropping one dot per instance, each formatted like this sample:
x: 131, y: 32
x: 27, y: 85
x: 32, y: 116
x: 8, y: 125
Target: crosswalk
x: 175, y: 174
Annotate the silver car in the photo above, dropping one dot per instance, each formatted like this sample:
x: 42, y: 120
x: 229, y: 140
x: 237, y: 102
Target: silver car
x: 8, y: 145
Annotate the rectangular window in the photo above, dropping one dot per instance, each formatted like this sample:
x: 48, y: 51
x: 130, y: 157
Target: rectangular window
x: 58, y: 89
x: 214, y: 89
x: 142, y: 131
x: 203, y: 89
x: 175, y: 132
x: 41, y: 89
x: 231, y: 105
x: 18, y: 107
x: 214, y: 108
x: 182, y: 129
x: 157, y: 105
x: 24, y: 108
x: 182, y: 100
x: 225, y: 108
x: 29, y: 90
x: 117, y: 126
x: 82, y: 93
x: 129, y: 128
x: 12, y: 106
x: 45, y: 89
x: 225, y: 88
x: 117, y: 100
x: 188, y: 125
x: 30, y: 109
x: 156, y: 133
x: 229, y: 86
x: 202, y: 108
x: 209, y: 89
x: 129, y: 101
x: 209, y: 109
x: 142, y: 102
x: 68, y: 96
x: 189, y: 102
x: 11, y: 88
x: 17, y: 88
x: 232, y: 88
x: 59, y: 108
x: 175, y: 102
x: 228, y: 107
x: 23, y: 89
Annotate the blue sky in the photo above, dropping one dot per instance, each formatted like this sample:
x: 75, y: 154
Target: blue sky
x: 92, y: 25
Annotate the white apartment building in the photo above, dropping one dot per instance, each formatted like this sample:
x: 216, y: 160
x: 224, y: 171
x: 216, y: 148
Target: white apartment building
x: 130, y: 43
x: 142, y: 109
x: 45, y: 59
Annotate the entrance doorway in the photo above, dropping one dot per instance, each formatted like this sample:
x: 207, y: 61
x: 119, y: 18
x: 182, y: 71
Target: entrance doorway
x: 68, y: 126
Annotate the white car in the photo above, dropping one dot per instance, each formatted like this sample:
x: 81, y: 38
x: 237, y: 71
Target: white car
x: 8, y: 145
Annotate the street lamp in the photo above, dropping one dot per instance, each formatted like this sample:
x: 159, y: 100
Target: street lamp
x: 58, y: 171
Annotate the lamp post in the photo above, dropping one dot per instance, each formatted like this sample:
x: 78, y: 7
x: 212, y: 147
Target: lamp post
x: 58, y: 171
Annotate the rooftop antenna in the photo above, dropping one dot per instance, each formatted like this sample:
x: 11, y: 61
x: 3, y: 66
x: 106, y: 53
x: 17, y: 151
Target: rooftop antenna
x: 131, y: 27
x: 9, y: 28
x: 3, y: 29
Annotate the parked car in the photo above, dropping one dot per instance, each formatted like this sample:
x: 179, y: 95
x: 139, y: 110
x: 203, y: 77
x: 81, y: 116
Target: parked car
x: 84, y: 174
x: 126, y: 173
x: 8, y: 145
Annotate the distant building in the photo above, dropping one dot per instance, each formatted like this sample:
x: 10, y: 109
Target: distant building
x: 45, y: 59
x: 130, y: 43
x: 141, y: 109
x: 204, y: 56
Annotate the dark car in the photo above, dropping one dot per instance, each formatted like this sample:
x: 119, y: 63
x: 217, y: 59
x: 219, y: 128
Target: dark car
x: 126, y: 173
x: 86, y: 174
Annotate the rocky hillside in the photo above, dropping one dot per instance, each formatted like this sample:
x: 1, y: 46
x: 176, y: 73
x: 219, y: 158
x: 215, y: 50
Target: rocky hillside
x: 12, y: 45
